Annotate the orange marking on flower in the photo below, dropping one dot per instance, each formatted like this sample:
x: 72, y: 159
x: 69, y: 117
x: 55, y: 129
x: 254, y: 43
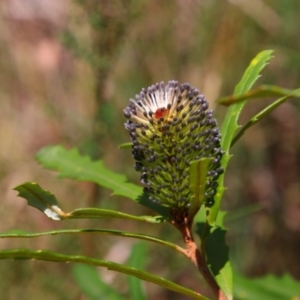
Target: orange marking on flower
x: 161, y: 113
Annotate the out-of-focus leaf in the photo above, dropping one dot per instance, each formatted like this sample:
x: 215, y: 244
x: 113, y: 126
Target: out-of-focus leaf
x: 217, y: 253
x: 260, y: 116
x: 268, y: 287
x: 47, y: 203
x: 224, y: 218
x: 22, y: 234
x: 243, y: 212
x: 197, y: 178
x: 89, y: 281
x: 137, y: 259
x: 57, y: 257
x: 72, y: 165
x: 261, y: 92
x: 230, y: 125
x: 68, y: 39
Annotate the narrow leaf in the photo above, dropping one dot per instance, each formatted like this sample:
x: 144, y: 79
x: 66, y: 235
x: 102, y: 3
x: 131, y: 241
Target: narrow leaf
x: 57, y: 257
x: 47, y: 203
x: 22, y: 234
x: 198, y: 173
x: 230, y: 125
x: 72, y: 165
x: 137, y: 259
x: 261, y: 92
x: 97, y: 213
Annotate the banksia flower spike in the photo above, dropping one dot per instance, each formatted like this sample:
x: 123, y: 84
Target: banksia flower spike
x: 170, y: 126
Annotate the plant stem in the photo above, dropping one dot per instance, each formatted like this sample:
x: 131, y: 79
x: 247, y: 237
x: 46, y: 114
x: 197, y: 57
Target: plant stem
x: 197, y: 256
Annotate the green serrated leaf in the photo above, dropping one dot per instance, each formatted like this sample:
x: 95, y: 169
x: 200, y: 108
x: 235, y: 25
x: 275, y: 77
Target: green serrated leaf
x: 268, y: 287
x: 21, y: 234
x: 41, y: 199
x: 230, y: 125
x: 89, y: 281
x: 72, y: 165
x: 197, y: 177
x: 57, y: 257
x: 137, y: 259
x: 218, y: 260
x: 47, y: 203
x: 261, y: 92
x: 217, y: 253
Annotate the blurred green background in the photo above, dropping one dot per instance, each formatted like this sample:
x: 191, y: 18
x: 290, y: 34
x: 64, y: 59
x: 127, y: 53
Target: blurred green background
x: 68, y: 68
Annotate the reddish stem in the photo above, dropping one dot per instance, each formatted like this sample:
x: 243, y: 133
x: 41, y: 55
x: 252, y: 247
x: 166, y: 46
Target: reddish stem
x: 197, y: 257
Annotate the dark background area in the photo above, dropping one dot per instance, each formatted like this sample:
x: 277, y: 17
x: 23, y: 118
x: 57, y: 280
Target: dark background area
x: 68, y: 68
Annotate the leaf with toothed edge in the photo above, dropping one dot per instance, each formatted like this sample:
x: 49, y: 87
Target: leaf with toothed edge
x: 212, y: 236
x: 218, y: 260
x: 230, y: 125
x: 41, y: 199
x: 72, y: 165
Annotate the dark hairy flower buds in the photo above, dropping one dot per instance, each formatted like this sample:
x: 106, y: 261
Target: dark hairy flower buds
x: 170, y: 126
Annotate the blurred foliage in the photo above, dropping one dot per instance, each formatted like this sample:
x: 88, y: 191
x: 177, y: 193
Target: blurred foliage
x: 68, y: 71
